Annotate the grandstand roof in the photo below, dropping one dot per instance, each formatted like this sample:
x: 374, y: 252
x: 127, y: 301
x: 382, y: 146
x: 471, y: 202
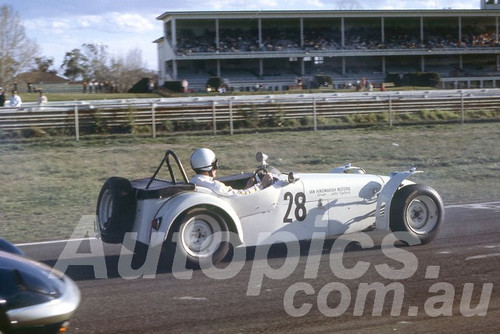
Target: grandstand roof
x: 326, y: 13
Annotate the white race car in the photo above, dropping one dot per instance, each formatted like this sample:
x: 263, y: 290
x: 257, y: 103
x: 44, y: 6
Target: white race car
x: 297, y: 206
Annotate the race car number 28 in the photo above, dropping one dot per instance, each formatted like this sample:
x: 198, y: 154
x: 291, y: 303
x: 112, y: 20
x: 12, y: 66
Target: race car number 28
x: 299, y: 201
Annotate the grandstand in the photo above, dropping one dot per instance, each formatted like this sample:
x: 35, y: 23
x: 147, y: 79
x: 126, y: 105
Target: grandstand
x: 278, y: 50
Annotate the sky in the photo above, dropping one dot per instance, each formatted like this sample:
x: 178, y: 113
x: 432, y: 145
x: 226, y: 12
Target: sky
x: 59, y: 26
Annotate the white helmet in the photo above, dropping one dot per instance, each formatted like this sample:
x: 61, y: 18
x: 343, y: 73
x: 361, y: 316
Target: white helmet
x: 203, y: 159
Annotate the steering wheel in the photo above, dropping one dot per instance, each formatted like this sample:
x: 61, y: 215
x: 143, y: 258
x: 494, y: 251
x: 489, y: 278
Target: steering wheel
x: 259, y: 174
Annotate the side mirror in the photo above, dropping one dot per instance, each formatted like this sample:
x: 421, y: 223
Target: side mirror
x: 261, y: 157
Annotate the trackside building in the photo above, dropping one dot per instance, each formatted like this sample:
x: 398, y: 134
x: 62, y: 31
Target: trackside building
x: 275, y: 49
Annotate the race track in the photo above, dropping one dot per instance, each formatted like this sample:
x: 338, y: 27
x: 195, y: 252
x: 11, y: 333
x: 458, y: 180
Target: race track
x: 451, y: 285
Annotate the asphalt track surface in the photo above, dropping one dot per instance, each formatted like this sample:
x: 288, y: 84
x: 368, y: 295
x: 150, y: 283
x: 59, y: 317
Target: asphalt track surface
x: 451, y: 285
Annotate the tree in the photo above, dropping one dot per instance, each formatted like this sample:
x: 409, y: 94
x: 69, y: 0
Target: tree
x: 17, y: 52
x: 88, y: 63
x: 43, y: 64
x: 75, y: 65
x: 126, y: 71
x: 97, y: 58
x: 93, y: 63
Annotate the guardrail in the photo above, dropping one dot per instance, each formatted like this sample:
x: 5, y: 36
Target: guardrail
x: 216, y: 113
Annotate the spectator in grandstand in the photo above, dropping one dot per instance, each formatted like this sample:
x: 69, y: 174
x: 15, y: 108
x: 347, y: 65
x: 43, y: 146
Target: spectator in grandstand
x: 15, y: 100
x: 325, y: 38
x: 2, y: 97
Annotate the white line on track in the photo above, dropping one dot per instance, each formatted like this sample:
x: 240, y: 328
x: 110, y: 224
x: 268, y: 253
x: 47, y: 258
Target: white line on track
x: 483, y: 256
x: 484, y: 206
x: 52, y: 242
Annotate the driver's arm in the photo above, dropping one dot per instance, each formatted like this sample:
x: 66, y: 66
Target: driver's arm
x: 266, y: 181
x: 224, y: 190
x: 221, y: 189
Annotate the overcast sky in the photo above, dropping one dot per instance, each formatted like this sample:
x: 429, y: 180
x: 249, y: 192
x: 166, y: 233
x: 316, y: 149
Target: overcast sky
x: 59, y: 26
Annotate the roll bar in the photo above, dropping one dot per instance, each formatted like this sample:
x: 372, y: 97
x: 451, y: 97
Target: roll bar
x: 166, y: 158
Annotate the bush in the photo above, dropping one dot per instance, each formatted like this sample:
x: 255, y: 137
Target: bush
x: 250, y: 115
x: 174, y: 86
x: 141, y: 86
x: 292, y: 123
x: 307, y: 121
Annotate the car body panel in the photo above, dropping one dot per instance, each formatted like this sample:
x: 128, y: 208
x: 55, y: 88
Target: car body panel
x: 56, y: 311
x: 59, y: 295
x: 396, y: 180
x: 335, y: 203
x: 173, y: 207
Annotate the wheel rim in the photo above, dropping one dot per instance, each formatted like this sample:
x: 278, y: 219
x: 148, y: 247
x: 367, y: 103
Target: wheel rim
x: 422, y: 214
x: 199, y: 235
x: 105, y: 209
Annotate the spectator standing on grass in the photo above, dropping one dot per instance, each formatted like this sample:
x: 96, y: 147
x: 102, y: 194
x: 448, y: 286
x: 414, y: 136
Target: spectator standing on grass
x: 2, y: 97
x: 15, y: 100
x: 42, y: 99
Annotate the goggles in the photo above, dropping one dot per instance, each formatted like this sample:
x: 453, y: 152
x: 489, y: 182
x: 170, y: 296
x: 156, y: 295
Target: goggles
x: 215, y: 164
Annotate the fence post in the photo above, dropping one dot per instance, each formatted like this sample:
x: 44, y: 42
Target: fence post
x: 214, y: 120
x: 77, y: 124
x: 315, y: 119
x: 153, y: 118
x: 231, y: 129
x: 390, y: 110
x: 462, y: 109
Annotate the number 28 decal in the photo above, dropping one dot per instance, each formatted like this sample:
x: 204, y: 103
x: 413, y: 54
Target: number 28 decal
x: 300, y: 207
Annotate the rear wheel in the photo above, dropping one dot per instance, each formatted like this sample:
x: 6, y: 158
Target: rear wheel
x: 115, y: 209
x: 417, y: 210
x: 203, y: 236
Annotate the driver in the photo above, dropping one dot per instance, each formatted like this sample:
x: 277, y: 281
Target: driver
x: 204, y: 163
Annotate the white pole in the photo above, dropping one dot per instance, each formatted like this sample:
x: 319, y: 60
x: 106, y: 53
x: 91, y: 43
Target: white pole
x: 77, y: 124
x: 153, y: 118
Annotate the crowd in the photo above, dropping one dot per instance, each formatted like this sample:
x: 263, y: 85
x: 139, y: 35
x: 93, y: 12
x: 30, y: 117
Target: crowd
x: 237, y: 40
x: 15, y: 100
x: 94, y: 86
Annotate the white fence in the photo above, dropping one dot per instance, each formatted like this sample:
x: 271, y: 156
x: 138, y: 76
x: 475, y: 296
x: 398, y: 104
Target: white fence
x: 228, y: 113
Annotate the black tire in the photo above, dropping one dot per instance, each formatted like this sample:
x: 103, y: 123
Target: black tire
x: 4, y: 322
x: 202, y: 237
x: 418, y: 211
x: 115, y: 211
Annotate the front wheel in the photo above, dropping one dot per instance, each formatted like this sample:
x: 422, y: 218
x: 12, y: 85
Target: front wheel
x: 203, y: 235
x: 417, y: 210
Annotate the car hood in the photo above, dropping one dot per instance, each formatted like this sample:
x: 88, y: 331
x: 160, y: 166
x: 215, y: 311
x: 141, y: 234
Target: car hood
x: 34, y: 294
